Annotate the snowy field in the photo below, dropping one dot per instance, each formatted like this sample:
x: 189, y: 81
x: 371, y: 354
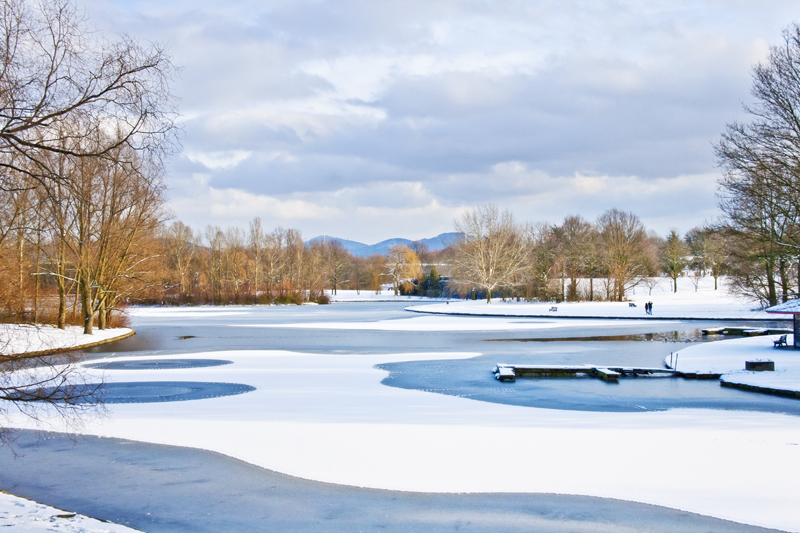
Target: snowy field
x: 19, y: 339
x: 25, y: 516
x: 704, y: 303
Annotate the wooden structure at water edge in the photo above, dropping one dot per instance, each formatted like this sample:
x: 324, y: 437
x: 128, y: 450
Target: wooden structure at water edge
x: 508, y: 372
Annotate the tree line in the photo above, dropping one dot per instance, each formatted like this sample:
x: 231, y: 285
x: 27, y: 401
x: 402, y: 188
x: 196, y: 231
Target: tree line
x: 577, y: 259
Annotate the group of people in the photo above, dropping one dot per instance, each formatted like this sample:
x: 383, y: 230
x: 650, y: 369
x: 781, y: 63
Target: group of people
x: 648, y: 308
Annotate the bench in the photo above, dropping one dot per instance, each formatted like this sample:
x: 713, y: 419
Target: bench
x: 631, y: 304
x: 553, y: 309
x: 780, y: 342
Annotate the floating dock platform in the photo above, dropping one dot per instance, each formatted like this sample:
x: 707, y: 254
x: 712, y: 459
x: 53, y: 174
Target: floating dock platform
x: 509, y: 372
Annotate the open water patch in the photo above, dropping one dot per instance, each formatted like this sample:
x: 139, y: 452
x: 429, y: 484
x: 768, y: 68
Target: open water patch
x: 159, y: 364
x: 472, y: 379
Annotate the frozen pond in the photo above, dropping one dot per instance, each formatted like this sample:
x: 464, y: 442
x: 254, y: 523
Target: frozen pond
x: 367, y: 395
x: 520, y: 341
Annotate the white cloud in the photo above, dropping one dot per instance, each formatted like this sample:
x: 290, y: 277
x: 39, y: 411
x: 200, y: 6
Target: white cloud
x: 215, y: 160
x: 374, y: 119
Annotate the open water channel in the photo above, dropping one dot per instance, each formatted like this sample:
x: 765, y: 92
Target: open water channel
x: 158, y: 488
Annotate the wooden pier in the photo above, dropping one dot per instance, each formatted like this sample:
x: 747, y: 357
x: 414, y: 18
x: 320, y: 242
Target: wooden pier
x: 508, y: 372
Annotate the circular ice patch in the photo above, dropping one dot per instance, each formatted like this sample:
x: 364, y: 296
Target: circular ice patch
x: 147, y: 391
x: 169, y: 391
x: 159, y: 364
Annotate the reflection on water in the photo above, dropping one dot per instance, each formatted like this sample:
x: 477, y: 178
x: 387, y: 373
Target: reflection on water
x: 688, y: 335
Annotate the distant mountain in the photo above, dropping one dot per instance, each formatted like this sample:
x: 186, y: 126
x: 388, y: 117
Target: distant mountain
x: 365, y: 250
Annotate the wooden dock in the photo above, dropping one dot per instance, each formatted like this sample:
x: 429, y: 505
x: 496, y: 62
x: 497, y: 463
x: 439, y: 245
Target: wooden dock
x: 509, y: 372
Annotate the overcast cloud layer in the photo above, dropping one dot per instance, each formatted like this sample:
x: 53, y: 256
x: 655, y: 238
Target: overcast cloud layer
x: 369, y: 120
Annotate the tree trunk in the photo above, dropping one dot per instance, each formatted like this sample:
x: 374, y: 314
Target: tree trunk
x: 21, y: 286
x: 784, y: 280
x: 61, y: 281
x: 36, y: 281
x: 771, y: 293
x: 86, y: 303
x: 591, y: 289
x: 62, y: 305
x: 102, y: 314
x: 674, y: 284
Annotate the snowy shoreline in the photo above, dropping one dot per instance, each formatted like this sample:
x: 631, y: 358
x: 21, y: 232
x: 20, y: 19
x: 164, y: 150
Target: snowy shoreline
x: 25, y: 340
x: 728, y: 357
x: 24, y: 515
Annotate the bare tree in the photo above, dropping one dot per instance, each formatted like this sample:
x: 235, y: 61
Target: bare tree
x: 338, y: 264
x: 402, y: 264
x: 257, y: 240
x: 60, y: 81
x: 422, y: 250
x: 759, y: 192
x: 181, y: 249
x: 573, y: 237
x: 626, y: 259
x: 492, y: 252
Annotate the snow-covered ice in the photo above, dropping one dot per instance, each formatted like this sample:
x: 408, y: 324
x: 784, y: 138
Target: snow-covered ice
x: 25, y: 516
x: 326, y: 417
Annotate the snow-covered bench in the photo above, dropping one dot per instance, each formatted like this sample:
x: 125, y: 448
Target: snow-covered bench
x: 780, y: 342
x: 553, y: 309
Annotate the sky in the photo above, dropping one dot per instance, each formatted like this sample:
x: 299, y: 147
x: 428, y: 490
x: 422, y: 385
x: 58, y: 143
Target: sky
x: 369, y: 120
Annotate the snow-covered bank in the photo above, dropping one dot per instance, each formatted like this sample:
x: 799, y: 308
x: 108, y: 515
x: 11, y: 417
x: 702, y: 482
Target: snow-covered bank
x: 327, y: 417
x: 704, y: 303
x: 728, y: 358
x: 386, y: 295
x: 25, y: 516
x: 24, y: 339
